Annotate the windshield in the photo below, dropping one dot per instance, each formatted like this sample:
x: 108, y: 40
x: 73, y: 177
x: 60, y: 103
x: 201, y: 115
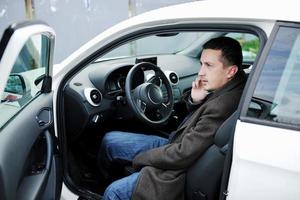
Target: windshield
x: 186, y: 43
x: 156, y: 44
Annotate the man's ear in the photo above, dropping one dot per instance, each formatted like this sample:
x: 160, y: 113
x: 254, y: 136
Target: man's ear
x: 232, y: 71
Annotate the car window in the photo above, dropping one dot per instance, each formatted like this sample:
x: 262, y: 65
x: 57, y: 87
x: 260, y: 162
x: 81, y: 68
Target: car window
x: 249, y: 44
x: 169, y: 43
x: 187, y: 43
x: 277, y: 93
x: 20, y: 88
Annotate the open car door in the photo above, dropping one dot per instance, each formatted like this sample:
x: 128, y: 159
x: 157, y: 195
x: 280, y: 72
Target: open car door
x: 29, y: 167
x: 265, y: 158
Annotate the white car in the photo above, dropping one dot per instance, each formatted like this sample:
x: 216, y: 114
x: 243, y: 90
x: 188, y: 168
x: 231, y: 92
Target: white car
x: 51, y: 125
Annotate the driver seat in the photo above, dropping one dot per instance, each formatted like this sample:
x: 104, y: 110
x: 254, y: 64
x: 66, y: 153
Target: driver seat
x: 203, y: 179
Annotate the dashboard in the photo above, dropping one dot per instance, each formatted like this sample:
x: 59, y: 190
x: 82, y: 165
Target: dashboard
x: 115, y: 83
x: 97, y: 93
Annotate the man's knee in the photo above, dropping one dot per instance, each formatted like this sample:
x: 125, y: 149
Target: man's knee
x: 121, y: 189
x: 109, y: 194
x: 109, y: 136
x: 111, y: 142
x: 112, y: 192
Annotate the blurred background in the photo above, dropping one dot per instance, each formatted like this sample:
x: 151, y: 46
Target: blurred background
x: 76, y: 22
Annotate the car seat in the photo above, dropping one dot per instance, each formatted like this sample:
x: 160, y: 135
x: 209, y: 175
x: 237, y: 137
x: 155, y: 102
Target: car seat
x: 203, y: 179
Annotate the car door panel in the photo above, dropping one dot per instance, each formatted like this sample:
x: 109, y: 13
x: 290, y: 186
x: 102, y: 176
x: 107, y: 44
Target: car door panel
x: 29, y: 159
x: 275, y: 168
x: 265, y: 159
x: 34, y: 182
x: 23, y: 166
x: 54, y: 185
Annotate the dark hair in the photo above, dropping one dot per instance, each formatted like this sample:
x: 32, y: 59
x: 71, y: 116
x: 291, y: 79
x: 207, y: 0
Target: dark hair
x: 231, y: 50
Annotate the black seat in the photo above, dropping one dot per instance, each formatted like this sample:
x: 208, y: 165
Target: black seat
x: 203, y: 178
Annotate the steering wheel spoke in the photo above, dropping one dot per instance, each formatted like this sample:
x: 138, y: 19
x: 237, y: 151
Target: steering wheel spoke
x: 155, y: 80
x: 142, y: 105
x: 164, y: 109
x: 151, y: 101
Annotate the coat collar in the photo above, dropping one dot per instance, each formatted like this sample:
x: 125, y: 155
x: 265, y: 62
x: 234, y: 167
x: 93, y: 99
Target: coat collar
x: 238, y: 81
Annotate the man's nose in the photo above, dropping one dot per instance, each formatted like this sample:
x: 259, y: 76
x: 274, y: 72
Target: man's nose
x: 201, y: 71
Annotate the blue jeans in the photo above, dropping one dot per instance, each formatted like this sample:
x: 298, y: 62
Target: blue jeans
x: 124, y: 146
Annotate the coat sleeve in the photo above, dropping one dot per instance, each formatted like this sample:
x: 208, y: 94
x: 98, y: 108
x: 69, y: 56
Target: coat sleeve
x: 195, y: 141
x: 190, y: 105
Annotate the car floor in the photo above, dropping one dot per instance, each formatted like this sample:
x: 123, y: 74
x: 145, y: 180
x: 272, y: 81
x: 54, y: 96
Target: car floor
x: 83, y: 167
x: 82, y: 152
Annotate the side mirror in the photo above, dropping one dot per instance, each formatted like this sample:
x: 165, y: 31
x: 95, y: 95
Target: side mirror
x: 16, y: 84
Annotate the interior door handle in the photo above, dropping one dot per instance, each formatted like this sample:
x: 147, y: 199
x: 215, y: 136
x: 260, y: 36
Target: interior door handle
x: 49, y: 149
x: 44, y: 117
x: 32, y: 186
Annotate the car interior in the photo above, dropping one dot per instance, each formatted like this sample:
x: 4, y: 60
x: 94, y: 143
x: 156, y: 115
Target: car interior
x: 97, y: 99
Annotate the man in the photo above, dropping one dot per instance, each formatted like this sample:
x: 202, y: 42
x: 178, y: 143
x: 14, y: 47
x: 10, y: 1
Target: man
x: 161, y: 164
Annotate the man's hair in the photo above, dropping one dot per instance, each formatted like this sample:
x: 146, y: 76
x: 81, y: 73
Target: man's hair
x: 231, y: 50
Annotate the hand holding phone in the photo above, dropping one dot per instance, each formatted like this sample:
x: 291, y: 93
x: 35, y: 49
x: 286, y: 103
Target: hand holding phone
x: 198, y: 92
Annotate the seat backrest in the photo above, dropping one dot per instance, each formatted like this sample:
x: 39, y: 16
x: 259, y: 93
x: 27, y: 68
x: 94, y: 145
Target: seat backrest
x: 204, y: 176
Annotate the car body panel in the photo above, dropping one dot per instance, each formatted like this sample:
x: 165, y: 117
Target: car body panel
x: 14, y: 46
x: 265, y: 162
x: 156, y: 19
x: 275, y: 168
x: 256, y: 170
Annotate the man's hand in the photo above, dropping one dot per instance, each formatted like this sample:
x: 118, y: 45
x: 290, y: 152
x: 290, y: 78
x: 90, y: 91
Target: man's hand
x: 198, y: 92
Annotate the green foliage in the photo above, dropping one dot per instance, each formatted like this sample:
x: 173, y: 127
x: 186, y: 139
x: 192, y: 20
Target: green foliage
x: 249, y: 45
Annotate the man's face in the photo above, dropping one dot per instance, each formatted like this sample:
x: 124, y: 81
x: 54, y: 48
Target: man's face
x: 213, y: 73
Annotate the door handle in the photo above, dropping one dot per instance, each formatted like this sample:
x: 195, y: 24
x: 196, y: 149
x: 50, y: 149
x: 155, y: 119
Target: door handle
x: 44, y: 117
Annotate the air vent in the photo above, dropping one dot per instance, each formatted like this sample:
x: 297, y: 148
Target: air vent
x: 172, y: 76
x: 93, y: 96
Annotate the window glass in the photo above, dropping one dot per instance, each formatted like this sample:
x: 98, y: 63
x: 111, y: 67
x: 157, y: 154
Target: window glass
x: 277, y: 93
x: 20, y: 87
x: 187, y: 43
x: 249, y: 44
x: 169, y: 43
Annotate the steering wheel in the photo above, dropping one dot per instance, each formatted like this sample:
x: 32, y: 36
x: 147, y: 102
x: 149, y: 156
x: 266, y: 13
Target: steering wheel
x: 147, y: 100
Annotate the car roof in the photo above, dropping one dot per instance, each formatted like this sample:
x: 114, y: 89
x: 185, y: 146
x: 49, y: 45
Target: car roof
x: 262, y: 14
x: 287, y: 10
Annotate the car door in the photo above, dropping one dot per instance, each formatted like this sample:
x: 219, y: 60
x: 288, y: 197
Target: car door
x: 266, y: 147
x: 29, y: 163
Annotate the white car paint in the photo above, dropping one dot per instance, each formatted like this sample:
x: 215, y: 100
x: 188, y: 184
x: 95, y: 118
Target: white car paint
x: 253, y: 182
x: 265, y: 159
x: 13, y: 48
x: 256, y: 169
x: 67, y: 194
